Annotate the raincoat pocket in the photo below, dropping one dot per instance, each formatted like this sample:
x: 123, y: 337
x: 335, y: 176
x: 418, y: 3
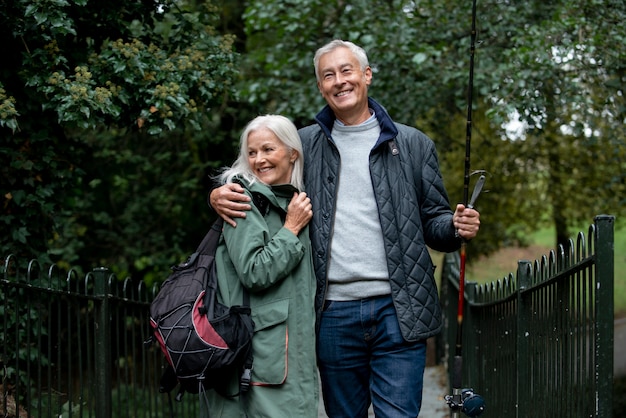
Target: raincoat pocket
x: 269, y: 344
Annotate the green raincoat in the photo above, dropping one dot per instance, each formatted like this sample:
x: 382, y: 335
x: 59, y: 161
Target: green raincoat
x: 276, y: 268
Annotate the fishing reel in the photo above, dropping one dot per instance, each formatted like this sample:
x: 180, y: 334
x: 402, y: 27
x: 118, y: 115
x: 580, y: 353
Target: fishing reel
x: 468, y: 402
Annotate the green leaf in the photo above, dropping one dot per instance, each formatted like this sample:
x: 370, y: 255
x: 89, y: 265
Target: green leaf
x: 419, y: 58
x: 20, y: 234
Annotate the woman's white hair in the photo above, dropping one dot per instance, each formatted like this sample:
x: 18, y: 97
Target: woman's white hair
x: 286, y: 132
x: 358, y: 52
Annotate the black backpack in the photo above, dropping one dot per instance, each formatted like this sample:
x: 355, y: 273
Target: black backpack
x: 204, y: 342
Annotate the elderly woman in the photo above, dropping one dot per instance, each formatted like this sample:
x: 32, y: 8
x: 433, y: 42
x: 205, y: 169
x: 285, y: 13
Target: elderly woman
x: 269, y: 254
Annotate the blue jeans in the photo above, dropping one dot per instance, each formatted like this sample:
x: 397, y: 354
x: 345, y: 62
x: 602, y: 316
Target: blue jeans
x: 363, y: 359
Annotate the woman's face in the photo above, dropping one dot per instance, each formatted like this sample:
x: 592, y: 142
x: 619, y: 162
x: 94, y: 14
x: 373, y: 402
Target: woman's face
x: 270, y: 160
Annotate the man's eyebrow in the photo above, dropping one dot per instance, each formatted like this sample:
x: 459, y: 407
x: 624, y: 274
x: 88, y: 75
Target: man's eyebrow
x: 341, y: 67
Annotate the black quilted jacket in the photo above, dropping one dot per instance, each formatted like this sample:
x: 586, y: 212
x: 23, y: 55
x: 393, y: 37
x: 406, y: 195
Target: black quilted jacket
x: 413, y: 207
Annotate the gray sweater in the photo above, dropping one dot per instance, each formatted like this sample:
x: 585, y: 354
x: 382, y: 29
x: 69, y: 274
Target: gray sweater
x: 358, y: 263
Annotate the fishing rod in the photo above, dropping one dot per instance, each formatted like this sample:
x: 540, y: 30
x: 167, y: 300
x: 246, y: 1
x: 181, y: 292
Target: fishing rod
x: 465, y: 400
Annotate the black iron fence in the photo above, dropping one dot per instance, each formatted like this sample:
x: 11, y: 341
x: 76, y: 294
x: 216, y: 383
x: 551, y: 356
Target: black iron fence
x: 73, y: 346
x: 536, y: 344
x: 540, y: 343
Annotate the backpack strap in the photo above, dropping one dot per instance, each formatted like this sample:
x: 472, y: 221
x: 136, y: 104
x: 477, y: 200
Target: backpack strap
x: 246, y: 375
x: 262, y: 203
x: 209, y: 242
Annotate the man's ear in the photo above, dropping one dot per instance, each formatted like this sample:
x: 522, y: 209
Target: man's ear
x: 368, y: 75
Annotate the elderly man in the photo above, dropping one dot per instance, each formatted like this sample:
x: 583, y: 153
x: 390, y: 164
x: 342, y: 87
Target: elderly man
x: 378, y: 201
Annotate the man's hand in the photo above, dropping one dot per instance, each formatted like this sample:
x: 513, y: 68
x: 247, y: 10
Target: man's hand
x: 466, y: 221
x: 229, y: 201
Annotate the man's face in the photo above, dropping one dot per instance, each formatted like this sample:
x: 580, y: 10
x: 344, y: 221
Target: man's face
x: 344, y: 85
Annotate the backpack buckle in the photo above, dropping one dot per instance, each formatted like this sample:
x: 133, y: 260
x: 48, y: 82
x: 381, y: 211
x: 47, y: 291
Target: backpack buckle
x: 246, y: 377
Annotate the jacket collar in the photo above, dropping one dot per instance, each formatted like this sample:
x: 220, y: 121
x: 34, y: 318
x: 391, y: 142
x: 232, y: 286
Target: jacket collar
x: 271, y: 193
x: 388, y: 131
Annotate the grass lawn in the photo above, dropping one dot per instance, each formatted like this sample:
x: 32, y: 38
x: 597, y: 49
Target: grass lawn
x: 499, y: 265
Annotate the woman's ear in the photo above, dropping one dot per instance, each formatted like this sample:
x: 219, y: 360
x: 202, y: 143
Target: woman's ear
x: 294, y: 156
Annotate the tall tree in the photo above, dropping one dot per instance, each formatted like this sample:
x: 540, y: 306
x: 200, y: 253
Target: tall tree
x: 110, y: 110
x: 98, y: 103
x: 550, y: 66
x: 564, y: 77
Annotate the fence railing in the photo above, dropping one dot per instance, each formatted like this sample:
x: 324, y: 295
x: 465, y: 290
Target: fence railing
x: 72, y: 346
x: 540, y: 343
x: 536, y: 344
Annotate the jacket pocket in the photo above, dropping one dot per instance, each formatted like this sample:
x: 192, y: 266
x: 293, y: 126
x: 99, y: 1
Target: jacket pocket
x: 269, y: 344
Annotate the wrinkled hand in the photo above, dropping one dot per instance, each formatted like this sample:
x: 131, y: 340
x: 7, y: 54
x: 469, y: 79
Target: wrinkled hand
x: 466, y: 221
x: 229, y: 201
x: 299, y: 212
